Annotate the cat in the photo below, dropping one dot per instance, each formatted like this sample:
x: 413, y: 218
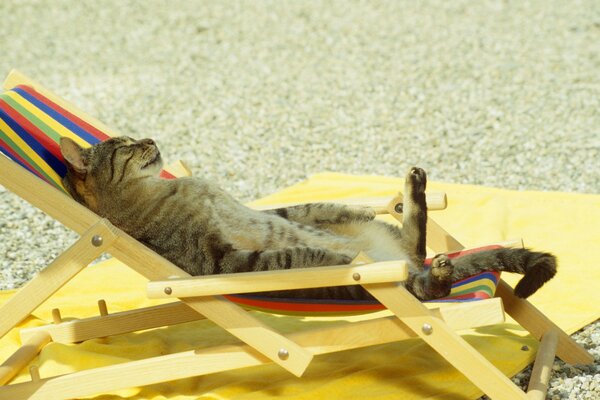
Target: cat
x: 197, y: 226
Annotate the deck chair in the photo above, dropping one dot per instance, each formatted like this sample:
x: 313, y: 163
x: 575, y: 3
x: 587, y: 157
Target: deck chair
x: 27, y: 107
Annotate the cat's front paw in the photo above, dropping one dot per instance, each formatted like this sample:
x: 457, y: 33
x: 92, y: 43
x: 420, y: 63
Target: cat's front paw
x: 416, y: 180
x: 441, y: 267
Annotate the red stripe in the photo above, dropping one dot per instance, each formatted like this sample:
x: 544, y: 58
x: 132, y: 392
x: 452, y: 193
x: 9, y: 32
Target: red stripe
x: 328, y: 307
x: 312, y: 307
x: 76, y: 120
x: 474, y: 295
x: 166, y: 175
x: 33, y: 130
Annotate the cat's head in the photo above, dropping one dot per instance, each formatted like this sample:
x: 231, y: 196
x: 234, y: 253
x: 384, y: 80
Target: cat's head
x: 107, y: 165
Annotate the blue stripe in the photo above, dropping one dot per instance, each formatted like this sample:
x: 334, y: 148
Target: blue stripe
x: 44, y: 153
x: 64, y: 121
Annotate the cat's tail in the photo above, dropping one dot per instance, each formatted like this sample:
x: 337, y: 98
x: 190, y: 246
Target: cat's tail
x: 537, y: 268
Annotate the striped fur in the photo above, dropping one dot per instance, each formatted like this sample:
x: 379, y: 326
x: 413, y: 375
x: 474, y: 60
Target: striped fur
x: 202, y: 229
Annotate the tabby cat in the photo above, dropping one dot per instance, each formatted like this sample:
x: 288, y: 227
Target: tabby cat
x: 202, y: 229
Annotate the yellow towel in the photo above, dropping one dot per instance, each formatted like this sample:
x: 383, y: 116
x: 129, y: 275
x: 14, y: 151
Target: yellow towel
x: 566, y: 224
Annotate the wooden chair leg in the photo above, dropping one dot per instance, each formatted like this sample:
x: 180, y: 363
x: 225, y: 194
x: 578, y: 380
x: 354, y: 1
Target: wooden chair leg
x: 90, y: 245
x: 538, y: 324
x: 542, y: 368
x: 446, y: 342
x: 23, y: 356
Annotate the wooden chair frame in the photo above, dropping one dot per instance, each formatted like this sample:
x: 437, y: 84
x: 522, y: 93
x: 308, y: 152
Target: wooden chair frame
x: 259, y: 343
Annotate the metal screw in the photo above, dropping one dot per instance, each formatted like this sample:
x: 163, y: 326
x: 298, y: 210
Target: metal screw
x: 283, y: 354
x: 97, y: 240
x: 427, y: 329
x: 356, y: 276
x: 525, y: 348
x: 168, y: 290
x: 399, y: 208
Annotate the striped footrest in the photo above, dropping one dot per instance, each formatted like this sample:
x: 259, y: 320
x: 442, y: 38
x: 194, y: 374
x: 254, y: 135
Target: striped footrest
x: 477, y: 287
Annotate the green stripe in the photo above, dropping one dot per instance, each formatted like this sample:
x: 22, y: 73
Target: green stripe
x: 32, y: 118
x: 13, y: 146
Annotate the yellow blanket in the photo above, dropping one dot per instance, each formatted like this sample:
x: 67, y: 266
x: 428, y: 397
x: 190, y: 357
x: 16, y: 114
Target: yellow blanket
x: 565, y: 224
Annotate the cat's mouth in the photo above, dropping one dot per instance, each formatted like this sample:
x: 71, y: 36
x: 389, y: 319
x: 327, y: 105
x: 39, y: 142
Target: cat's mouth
x: 153, y: 160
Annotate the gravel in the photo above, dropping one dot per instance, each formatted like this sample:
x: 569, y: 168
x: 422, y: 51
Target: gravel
x: 258, y: 95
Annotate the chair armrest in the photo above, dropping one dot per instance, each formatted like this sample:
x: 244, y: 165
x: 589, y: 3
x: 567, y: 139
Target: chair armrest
x: 263, y: 281
x: 435, y: 201
x: 178, y: 169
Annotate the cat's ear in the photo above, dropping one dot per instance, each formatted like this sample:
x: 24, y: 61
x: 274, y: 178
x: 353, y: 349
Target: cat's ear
x: 73, y: 155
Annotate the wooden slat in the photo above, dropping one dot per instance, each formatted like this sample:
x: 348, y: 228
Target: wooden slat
x: 23, y: 356
x: 446, y: 342
x: 130, y: 374
x: 301, y: 278
x: 224, y: 358
x: 45, y: 197
x: 248, y: 329
x: 542, y: 368
x: 538, y: 324
x: 457, y: 315
x: 195, y: 363
x: 79, y: 330
x: 472, y: 314
x: 55, y: 275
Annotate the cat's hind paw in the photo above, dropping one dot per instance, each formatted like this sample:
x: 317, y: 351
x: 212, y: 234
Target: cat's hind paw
x: 441, y: 267
x: 416, y: 180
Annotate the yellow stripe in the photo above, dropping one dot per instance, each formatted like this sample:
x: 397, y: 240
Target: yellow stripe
x: 480, y: 282
x: 39, y: 161
x: 45, y: 118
